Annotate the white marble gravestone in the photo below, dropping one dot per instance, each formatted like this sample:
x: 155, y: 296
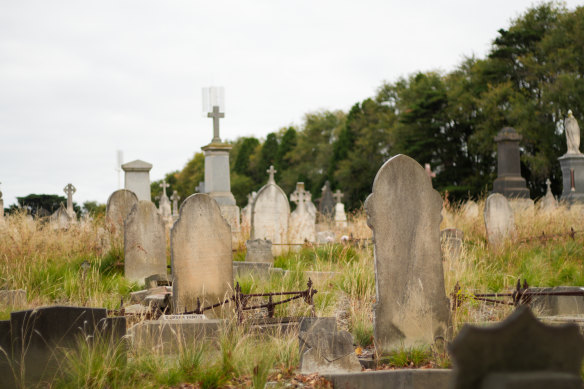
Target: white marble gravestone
x: 340, y: 215
x: 270, y: 215
x: 175, y: 198
x: 137, y: 178
x: 470, y: 209
x: 246, y: 211
x: 548, y: 202
x: 200, y: 254
x: 164, y: 204
x: 499, y: 220
x: 302, y: 226
x: 144, y: 242
x: 404, y: 213
x: 61, y: 218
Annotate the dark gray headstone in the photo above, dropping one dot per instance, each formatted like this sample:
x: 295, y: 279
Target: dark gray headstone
x: 327, y: 351
x: 509, y: 181
x: 259, y: 250
x: 327, y: 202
x: 515, y: 350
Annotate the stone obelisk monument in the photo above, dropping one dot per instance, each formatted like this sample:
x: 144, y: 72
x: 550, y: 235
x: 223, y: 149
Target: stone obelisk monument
x: 217, y: 181
x: 572, y: 163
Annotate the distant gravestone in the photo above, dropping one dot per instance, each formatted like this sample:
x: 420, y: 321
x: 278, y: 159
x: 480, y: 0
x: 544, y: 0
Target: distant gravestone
x: 246, y: 211
x: 404, y: 213
x: 549, y: 202
x: 302, y: 225
x: 137, y: 178
x: 144, y: 243
x: 520, y: 352
x: 175, y: 198
x: 470, y: 209
x: 270, y: 215
x: 340, y: 215
x: 326, y: 205
x: 324, y: 351
x: 509, y: 181
x: 200, y: 254
x: 164, y: 204
x: 69, y: 191
x: 499, y: 220
x: 572, y: 163
x: 259, y: 250
x: 324, y: 237
x: 61, y: 218
x: 118, y: 207
x: 451, y: 241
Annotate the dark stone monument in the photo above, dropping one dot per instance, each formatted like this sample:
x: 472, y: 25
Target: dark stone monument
x: 518, y: 352
x: 509, y: 181
x: 327, y: 202
x: 572, y: 164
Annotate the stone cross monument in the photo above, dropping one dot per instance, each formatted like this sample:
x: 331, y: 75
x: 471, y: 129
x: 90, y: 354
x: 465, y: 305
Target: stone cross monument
x: 175, y: 198
x: 340, y: 215
x: 572, y: 163
x: 69, y: 190
x: 271, y: 171
x: 217, y: 180
x: 338, y: 196
x: 509, y: 181
x: 164, y: 204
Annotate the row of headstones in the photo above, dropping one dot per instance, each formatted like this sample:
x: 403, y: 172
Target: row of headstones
x: 268, y: 213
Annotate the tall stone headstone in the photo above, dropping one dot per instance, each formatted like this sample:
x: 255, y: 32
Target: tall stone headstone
x: 69, y: 191
x: 340, y: 215
x: 520, y: 352
x: 404, y: 213
x: 217, y: 174
x: 175, y: 198
x: 548, y: 202
x: 270, y: 215
x: 246, y: 211
x: 499, y: 220
x: 201, y: 257
x: 118, y: 206
x: 572, y: 163
x: 302, y: 226
x: 509, y: 181
x: 144, y: 242
x: 164, y: 204
x: 326, y: 205
x: 137, y: 178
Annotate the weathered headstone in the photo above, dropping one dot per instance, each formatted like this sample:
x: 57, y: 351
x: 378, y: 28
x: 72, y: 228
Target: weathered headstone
x: 259, y: 250
x: 324, y: 237
x: 404, y: 213
x: 302, y: 225
x: 548, y: 202
x: 270, y: 215
x: 451, y: 241
x: 175, y: 198
x: 201, y: 254
x: 69, y: 191
x: 61, y: 218
x: 137, y: 178
x: 499, y: 220
x: 118, y: 206
x: 518, y: 352
x: 340, y: 215
x: 470, y: 209
x: 144, y: 243
x: 323, y: 350
x: 572, y: 163
x: 164, y: 204
x: 509, y: 181
x: 326, y: 204
x: 246, y: 211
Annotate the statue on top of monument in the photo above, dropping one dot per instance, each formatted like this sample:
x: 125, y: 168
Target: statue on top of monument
x: 572, y: 134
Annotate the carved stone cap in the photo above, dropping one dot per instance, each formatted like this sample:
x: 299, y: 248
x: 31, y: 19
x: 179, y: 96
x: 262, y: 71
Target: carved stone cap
x: 508, y: 133
x: 217, y: 146
x: 137, y: 166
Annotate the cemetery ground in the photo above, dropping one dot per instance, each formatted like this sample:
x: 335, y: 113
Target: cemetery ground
x: 83, y: 266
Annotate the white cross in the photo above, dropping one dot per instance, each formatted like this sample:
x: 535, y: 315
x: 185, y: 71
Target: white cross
x: 175, y: 198
x: 271, y: 171
x: 164, y: 185
x: 338, y: 196
x: 69, y: 190
x: 216, y: 115
x: 300, y: 195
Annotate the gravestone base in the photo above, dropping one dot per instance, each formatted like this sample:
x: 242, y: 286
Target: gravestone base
x: 576, y: 162
x: 511, y: 186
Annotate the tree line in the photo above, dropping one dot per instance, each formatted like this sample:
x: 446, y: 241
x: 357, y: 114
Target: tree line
x: 531, y: 77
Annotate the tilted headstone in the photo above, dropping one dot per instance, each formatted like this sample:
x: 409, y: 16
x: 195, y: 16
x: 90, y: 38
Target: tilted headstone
x: 201, y: 257
x: 270, y: 215
x: 61, y: 218
x: 470, y: 209
x: 144, y: 243
x: 302, y: 225
x: 520, y: 352
x: 69, y: 191
x: 326, y: 205
x: 137, y: 178
x: 509, y: 181
x: 259, y: 250
x: 572, y: 163
x: 451, y: 240
x: 340, y: 215
x: 548, y: 202
x: 499, y: 220
x: 118, y: 206
x: 404, y: 213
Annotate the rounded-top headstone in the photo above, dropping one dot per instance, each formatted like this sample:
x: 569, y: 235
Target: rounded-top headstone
x: 119, y: 205
x: 270, y: 216
x: 499, y: 220
x: 201, y: 255
x: 404, y: 213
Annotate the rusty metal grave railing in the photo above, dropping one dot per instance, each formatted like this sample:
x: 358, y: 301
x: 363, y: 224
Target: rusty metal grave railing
x: 241, y: 300
x: 543, y: 238
x: 522, y: 295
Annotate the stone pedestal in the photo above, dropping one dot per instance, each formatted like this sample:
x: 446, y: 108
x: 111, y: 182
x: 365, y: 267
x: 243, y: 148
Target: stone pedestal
x: 569, y: 162
x: 509, y: 181
x: 137, y: 178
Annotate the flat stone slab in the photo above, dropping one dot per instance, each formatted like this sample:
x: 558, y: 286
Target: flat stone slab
x: 13, y: 298
x: 394, y: 379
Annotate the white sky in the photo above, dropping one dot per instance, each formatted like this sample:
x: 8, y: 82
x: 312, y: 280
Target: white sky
x: 80, y: 80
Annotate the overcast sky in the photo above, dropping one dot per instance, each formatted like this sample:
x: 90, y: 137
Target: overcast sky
x: 80, y: 80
